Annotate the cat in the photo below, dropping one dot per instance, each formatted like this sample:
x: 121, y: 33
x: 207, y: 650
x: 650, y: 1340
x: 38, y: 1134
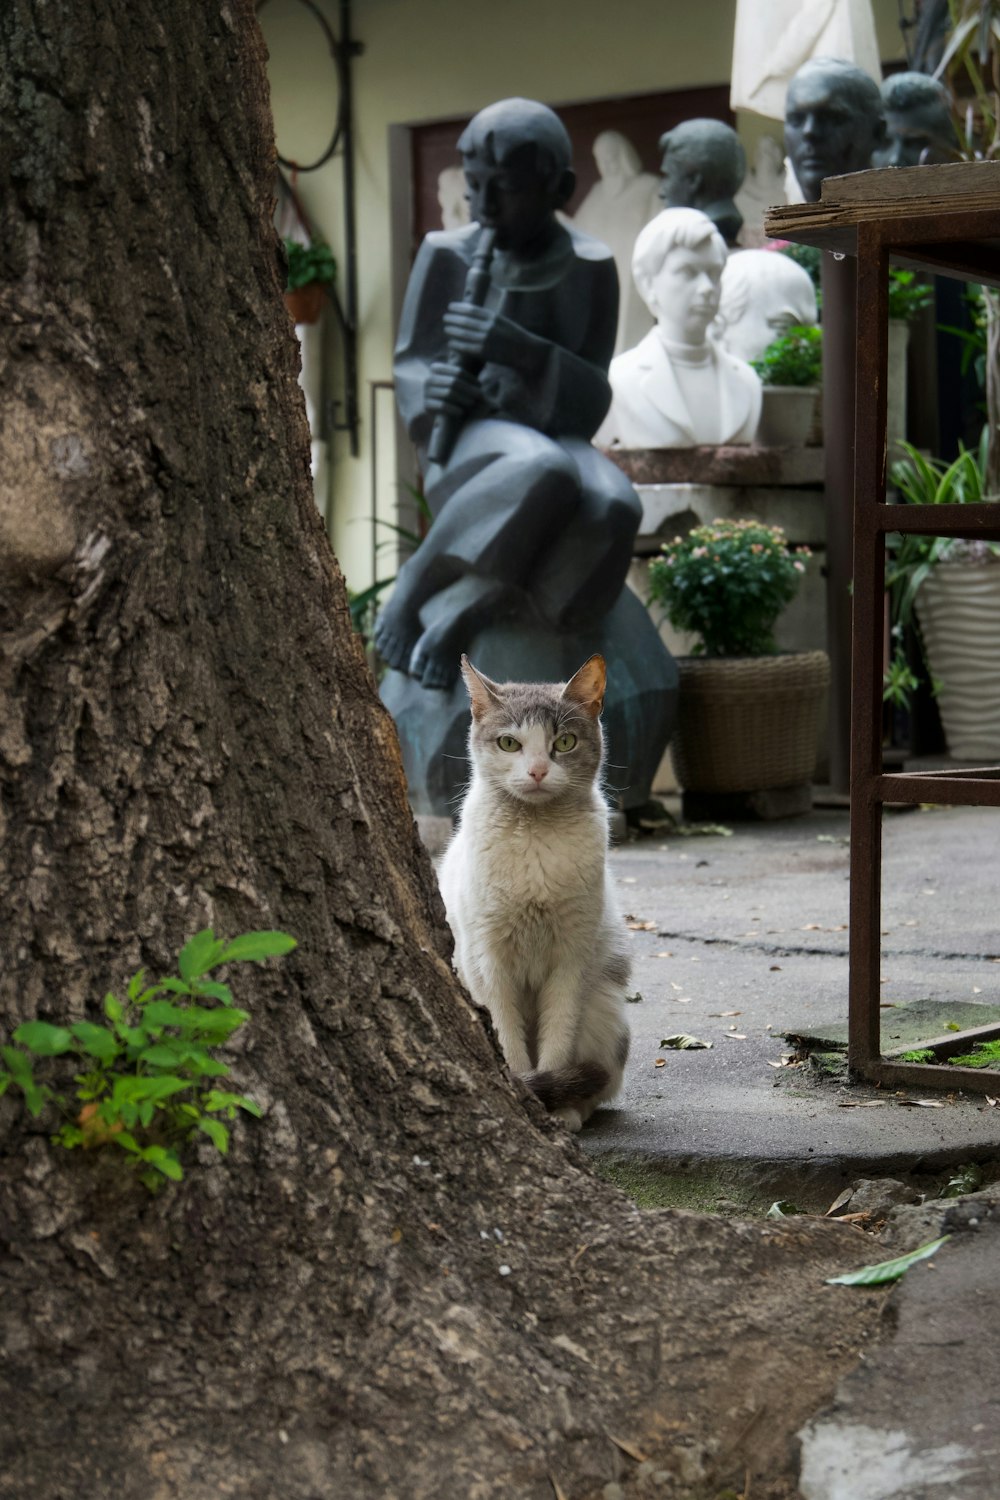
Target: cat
x: 538, y: 936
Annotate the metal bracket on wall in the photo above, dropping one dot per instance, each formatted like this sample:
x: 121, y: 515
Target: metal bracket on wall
x: 343, y: 50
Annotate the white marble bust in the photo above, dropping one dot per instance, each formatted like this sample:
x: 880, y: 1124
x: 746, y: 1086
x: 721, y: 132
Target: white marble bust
x: 677, y: 388
x: 764, y: 294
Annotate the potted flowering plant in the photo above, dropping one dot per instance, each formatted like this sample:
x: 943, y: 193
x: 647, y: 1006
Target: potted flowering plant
x: 748, y: 715
x: 790, y: 369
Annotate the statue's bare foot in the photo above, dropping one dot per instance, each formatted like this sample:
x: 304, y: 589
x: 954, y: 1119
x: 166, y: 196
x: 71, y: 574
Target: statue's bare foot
x: 435, y: 659
x: 395, y: 635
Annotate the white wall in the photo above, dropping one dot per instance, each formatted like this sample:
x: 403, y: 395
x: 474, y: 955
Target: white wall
x: 431, y: 59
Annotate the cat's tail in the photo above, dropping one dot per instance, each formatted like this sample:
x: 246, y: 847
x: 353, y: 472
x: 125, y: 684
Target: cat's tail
x: 570, y: 1087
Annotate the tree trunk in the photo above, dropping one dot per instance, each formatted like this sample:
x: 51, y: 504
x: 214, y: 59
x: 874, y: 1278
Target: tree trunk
x: 402, y: 1280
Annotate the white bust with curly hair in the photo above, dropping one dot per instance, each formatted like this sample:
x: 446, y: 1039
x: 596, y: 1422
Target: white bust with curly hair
x: 677, y: 388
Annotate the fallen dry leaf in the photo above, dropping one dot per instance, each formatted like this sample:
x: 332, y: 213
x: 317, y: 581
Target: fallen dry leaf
x: 736, y: 1036
x: 839, y: 1202
x: 661, y: 1062
x: 922, y: 1103
x: 992, y: 1103
x: 811, y: 927
x: 725, y: 1012
x: 642, y: 926
x: 861, y: 1103
x: 775, y: 969
x: 663, y: 955
x: 629, y: 1448
x: 680, y: 1041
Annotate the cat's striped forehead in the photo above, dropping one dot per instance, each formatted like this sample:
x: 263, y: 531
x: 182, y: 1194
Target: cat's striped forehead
x: 526, y: 704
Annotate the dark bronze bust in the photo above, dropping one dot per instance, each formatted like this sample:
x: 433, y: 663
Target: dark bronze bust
x: 919, y: 122
x: 834, y: 122
x: 703, y: 166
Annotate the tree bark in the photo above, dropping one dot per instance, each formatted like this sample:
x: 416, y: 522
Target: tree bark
x: 403, y: 1280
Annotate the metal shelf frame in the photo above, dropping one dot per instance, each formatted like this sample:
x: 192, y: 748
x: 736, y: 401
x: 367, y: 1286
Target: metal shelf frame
x: 966, y: 244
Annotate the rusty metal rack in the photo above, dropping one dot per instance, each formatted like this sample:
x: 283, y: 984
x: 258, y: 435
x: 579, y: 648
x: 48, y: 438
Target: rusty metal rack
x: 964, y: 243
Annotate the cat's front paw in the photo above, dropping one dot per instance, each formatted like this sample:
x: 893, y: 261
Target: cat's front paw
x: 571, y: 1118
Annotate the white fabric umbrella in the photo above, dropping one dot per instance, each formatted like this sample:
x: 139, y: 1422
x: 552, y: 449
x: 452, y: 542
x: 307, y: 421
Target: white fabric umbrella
x: 775, y: 37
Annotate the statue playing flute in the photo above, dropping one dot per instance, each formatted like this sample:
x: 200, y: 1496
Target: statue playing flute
x: 506, y: 334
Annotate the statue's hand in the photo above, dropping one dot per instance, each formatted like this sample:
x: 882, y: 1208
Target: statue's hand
x: 451, y: 389
x: 482, y: 334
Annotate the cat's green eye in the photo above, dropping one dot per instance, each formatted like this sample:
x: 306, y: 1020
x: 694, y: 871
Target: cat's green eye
x: 509, y: 743
x: 565, y: 742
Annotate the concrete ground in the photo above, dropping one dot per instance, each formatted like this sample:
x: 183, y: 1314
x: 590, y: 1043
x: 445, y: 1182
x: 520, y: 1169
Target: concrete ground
x: 739, y: 939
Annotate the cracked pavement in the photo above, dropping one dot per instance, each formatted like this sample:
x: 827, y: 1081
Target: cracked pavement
x: 756, y: 924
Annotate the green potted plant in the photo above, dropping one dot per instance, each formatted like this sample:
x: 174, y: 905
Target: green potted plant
x: 311, y: 269
x: 748, y: 715
x: 951, y: 587
x: 791, y: 369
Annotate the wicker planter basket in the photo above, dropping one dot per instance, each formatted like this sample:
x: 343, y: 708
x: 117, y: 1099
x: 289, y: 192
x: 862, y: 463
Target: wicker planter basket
x: 748, y: 723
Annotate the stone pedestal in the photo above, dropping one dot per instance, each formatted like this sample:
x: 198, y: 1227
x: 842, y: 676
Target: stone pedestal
x: 639, y: 708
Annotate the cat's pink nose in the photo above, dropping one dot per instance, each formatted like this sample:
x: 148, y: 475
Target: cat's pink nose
x: 538, y: 773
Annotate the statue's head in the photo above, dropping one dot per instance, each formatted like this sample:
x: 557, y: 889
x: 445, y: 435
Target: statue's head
x: 615, y: 155
x: 919, y: 121
x: 677, y: 266
x: 764, y: 294
x: 702, y: 162
x: 834, y: 122
x: 516, y: 155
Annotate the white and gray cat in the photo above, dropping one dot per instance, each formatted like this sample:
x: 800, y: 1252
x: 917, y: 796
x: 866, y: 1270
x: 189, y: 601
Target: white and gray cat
x: 538, y: 937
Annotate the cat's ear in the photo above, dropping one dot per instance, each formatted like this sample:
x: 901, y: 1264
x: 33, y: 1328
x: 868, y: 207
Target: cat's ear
x: 483, y: 693
x: 586, y: 687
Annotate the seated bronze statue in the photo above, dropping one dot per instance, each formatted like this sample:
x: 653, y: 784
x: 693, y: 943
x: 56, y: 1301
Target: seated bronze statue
x: 506, y: 334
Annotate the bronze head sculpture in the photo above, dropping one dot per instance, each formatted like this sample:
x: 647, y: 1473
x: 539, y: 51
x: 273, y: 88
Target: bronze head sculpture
x: 703, y: 166
x: 919, y: 122
x: 834, y: 122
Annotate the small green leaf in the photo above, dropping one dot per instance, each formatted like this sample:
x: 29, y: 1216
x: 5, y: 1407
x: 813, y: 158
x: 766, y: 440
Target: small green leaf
x: 199, y: 955
x: 887, y: 1270
x: 214, y: 991
x: 176, y: 987
x: 96, y: 1041
x: 217, y: 1134
x: 135, y: 985
x: 251, y: 1107
x: 113, y: 1008
x: 684, y: 1043
x: 256, y: 946
x: 36, y: 1097
x: 19, y: 1064
x: 42, y: 1039
x: 163, y: 1013
x: 164, y: 1161
x: 162, y: 1055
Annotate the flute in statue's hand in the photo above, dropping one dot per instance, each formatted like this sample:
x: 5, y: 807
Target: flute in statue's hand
x: 456, y: 393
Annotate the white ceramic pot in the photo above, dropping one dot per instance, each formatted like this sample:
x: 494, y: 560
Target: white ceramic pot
x: 958, y: 608
x: 786, y: 415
